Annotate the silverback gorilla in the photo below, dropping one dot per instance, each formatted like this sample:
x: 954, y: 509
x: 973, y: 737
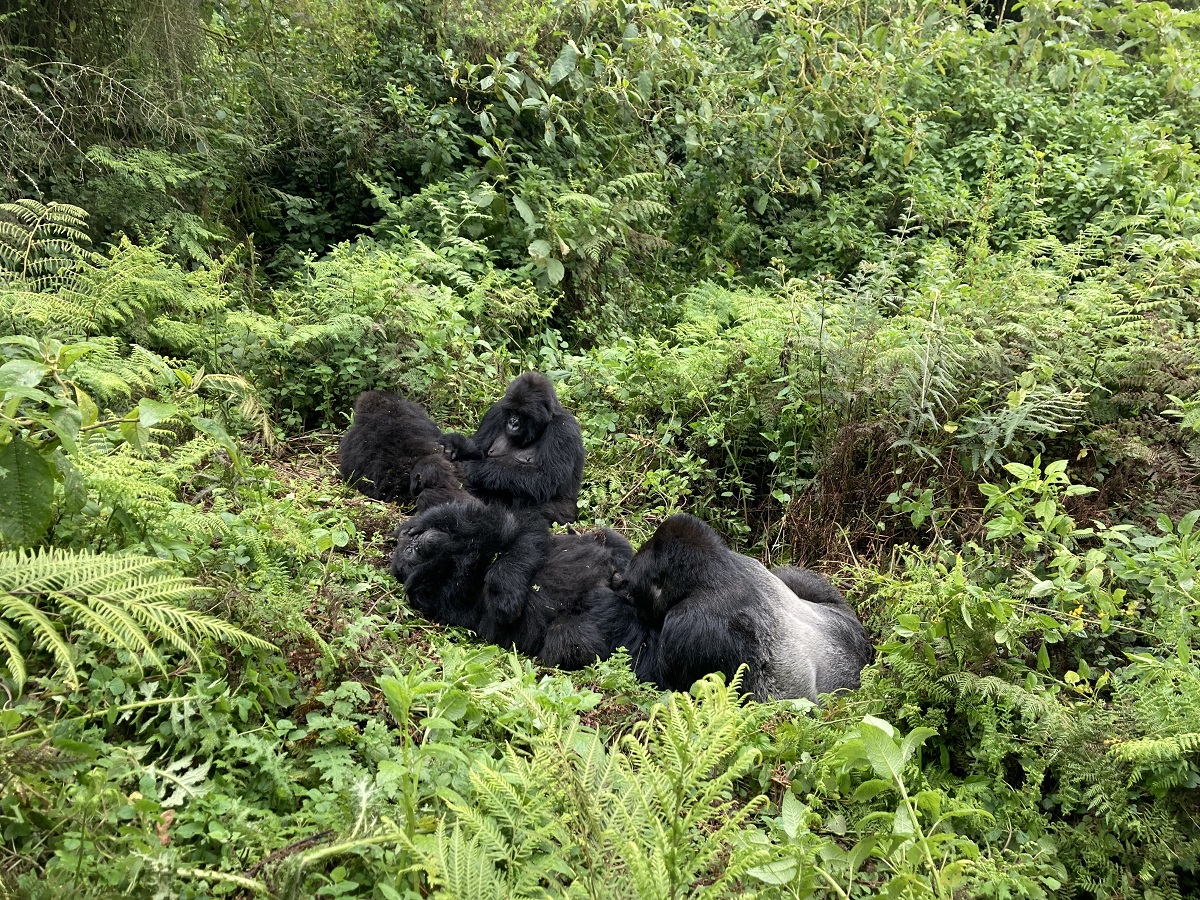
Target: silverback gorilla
x: 528, y: 452
x: 389, y: 437
x: 500, y: 573
x: 708, y: 609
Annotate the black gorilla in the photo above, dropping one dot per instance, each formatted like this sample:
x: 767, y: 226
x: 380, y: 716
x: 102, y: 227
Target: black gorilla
x: 707, y: 609
x: 434, y: 481
x: 528, y: 452
x: 500, y: 573
x: 387, y: 439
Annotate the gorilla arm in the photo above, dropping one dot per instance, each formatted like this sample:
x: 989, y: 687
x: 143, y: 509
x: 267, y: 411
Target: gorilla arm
x: 461, y: 447
x: 524, y: 542
x: 694, y: 642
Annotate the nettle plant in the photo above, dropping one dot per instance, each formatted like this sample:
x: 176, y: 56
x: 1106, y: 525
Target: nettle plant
x: 1031, y: 507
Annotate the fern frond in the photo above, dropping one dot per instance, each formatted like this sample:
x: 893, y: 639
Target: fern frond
x: 45, y: 635
x: 36, y: 238
x: 126, y: 600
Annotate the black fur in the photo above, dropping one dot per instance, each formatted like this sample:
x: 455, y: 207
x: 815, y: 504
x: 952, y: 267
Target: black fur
x: 388, y: 437
x: 528, y: 452
x: 502, y: 574
x: 434, y: 481
x: 707, y: 609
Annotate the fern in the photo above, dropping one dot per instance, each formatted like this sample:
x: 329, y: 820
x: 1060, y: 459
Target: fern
x: 678, y: 812
x: 127, y: 601
x: 656, y: 817
x: 39, y: 241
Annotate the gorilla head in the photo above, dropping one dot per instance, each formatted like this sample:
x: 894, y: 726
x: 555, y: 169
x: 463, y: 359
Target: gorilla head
x: 435, y: 480
x: 713, y: 610
x: 530, y: 404
x: 682, y: 555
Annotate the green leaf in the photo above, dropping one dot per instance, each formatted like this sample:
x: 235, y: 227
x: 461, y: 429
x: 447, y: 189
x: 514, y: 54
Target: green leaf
x: 26, y: 493
x: 908, y: 624
x: 861, y: 851
x: 151, y: 412
x: 65, y: 422
x: 565, y: 64
x: 870, y: 789
x: 135, y: 433
x: 1188, y: 523
x: 483, y: 197
x: 22, y: 373
x: 792, y: 813
x: 554, y: 271
x: 915, y: 739
x: 88, y: 411
x: 1020, y: 470
x: 218, y: 433
x: 885, y: 757
x: 539, y: 249
x: 524, y: 210
x: 1041, y: 589
x: 72, y: 353
x: 781, y: 871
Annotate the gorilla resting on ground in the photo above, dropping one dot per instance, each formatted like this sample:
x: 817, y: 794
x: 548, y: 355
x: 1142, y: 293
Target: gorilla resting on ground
x: 502, y: 574
x: 379, y: 453
x: 527, y: 453
x: 708, y: 609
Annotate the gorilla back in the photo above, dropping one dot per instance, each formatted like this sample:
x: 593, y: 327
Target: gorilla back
x: 715, y: 610
x: 503, y: 575
x: 528, y: 452
x: 387, y: 438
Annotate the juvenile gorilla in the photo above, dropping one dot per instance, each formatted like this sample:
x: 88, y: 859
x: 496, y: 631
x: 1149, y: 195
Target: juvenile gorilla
x: 708, y: 609
x: 528, y: 452
x: 381, y: 450
x: 435, y: 481
x: 500, y: 573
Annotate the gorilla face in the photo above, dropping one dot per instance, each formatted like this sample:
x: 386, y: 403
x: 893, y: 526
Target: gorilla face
x: 527, y: 411
x: 657, y: 580
x: 520, y: 431
x: 413, y: 547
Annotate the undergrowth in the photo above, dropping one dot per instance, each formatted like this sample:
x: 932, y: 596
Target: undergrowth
x: 902, y: 291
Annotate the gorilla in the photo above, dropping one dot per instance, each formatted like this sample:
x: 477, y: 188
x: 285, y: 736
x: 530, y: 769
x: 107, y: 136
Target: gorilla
x: 388, y: 437
x: 435, y: 481
x: 707, y: 609
x: 500, y: 573
x: 528, y: 452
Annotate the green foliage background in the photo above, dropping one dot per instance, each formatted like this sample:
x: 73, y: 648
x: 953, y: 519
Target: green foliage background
x: 902, y: 291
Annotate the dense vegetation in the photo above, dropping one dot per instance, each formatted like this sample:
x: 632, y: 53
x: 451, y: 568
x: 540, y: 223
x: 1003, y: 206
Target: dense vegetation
x: 898, y: 290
